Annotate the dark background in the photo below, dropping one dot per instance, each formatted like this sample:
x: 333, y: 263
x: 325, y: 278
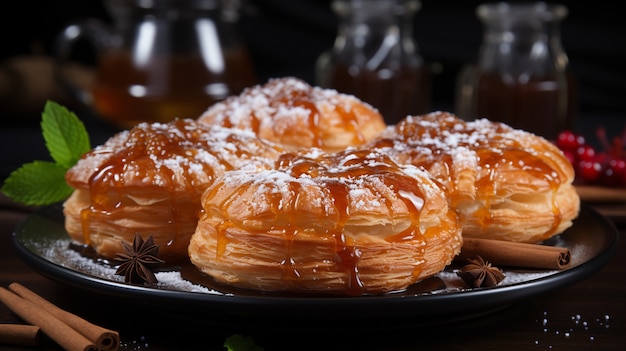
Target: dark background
x: 285, y: 37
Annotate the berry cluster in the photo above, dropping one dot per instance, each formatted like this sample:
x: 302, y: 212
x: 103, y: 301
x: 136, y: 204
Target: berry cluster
x: 606, y: 167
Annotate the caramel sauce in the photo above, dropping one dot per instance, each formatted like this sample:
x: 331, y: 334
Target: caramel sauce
x: 336, y: 174
x: 558, y: 216
x: 222, y: 240
x: 314, y: 120
x: 349, y: 119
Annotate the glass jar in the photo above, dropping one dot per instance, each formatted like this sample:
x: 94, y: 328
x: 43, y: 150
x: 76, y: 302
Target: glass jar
x: 375, y: 58
x: 159, y: 59
x: 521, y: 77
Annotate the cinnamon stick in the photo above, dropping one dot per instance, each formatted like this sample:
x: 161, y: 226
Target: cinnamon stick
x: 506, y: 253
x: 104, y: 339
x: 61, y: 333
x: 20, y: 334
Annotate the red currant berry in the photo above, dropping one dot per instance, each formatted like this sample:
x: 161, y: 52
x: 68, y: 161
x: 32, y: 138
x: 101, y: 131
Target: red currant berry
x: 568, y: 140
x: 602, y: 158
x: 585, y: 153
x: 589, y: 171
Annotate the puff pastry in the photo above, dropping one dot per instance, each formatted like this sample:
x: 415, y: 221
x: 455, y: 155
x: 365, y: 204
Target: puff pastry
x: 505, y: 183
x: 291, y: 112
x: 148, y: 180
x: 353, y: 222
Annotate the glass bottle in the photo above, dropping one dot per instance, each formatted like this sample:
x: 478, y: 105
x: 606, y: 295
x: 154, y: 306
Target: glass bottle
x: 375, y: 58
x: 522, y: 76
x: 159, y: 59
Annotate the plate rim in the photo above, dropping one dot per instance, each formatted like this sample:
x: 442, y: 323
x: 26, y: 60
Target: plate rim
x: 479, y: 299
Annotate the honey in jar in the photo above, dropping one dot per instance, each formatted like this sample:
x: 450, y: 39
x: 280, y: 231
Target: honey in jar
x: 164, y: 88
x: 158, y: 60
x: 376, y: 59
x: 522, y: 76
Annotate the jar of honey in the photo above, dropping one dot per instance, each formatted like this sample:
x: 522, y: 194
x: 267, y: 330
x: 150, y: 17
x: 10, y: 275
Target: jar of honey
x: 521, y: 76
x: 375, y: 57
x: 158, y: 60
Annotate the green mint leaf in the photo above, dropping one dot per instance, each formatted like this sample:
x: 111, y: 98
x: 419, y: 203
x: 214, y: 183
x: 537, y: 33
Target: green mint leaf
x: 37, y: 183
x: 237, y: 342
x: 65, y: 135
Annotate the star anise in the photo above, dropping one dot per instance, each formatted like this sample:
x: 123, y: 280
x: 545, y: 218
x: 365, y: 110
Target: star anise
x: 479, y: 273
x: 138, y: 262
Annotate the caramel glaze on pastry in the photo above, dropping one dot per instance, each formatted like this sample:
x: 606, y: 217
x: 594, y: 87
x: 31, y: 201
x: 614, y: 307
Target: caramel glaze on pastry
x: 505, y: 183
x: 350, y: 223
x: 148, y: 180
x: 290, y: 112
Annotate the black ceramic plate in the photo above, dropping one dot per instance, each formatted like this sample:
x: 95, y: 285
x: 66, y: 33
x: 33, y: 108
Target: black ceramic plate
x: 42, y: 242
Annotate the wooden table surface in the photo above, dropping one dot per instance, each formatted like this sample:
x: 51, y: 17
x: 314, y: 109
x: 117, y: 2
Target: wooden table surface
x: 587, y: 315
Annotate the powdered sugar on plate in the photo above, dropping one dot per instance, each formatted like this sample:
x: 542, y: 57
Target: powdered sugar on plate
x: 60, y: 253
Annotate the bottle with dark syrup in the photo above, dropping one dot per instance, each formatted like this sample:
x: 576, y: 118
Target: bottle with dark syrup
x: 376, y: 59
x: 522, y: 76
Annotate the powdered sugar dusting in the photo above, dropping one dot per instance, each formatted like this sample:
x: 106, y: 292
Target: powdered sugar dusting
x: 297, y: 115
x: 192, y: 154
x: 440, y: 133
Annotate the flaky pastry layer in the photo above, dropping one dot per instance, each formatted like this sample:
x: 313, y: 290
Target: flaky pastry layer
x: 296, y: 115
x: 505, y: 183
x: 352, y: 223
x: 148, y: 181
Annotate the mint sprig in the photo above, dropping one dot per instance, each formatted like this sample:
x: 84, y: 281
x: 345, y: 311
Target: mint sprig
x: 42, y: 182
x: 65, y: 135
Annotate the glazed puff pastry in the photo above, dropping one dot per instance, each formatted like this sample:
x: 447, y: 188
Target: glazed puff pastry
x: 148, y: 180
x: 296, y: 115
x: 505, y: 183
x: 352, y: 223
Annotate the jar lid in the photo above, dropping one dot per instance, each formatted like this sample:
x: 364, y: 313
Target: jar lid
x: 505, y: 10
